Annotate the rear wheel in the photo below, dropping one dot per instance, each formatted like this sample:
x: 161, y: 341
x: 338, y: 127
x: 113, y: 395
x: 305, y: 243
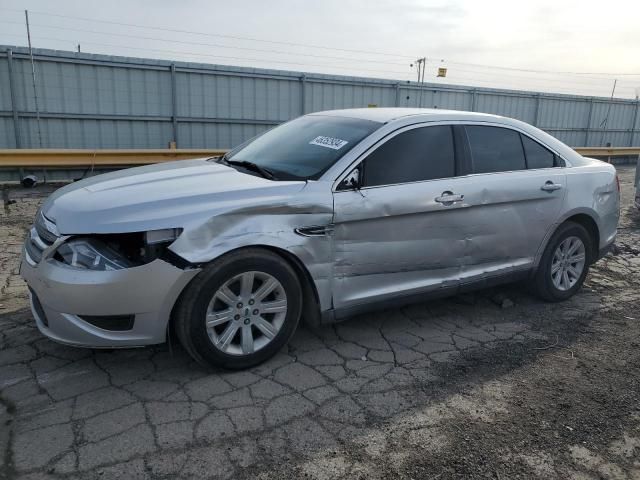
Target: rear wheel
x: 240, y: 310
x: 565, y: 263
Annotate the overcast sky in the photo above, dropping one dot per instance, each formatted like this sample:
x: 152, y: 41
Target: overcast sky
x: 492, y: 43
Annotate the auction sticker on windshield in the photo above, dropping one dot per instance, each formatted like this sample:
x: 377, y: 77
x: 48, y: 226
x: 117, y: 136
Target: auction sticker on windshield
x: 329, y: 142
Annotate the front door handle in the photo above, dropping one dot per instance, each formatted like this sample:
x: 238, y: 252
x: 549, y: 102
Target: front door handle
x: 449, y: 198
x: 549, y: 186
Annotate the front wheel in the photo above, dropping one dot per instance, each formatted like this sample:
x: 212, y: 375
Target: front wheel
x: 240, y: 310
x: 564, y: 264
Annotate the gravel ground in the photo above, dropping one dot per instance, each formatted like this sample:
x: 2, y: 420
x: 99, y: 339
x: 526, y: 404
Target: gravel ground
x: 493, y: 385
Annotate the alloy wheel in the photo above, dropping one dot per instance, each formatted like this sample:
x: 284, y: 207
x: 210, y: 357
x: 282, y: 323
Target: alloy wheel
x: 246, y: 313
x: 568, y: 263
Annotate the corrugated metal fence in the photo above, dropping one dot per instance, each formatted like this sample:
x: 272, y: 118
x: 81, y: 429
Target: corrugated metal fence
x: 98, y: 101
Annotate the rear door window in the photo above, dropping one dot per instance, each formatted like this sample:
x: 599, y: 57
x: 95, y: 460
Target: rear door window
x: 537, y: 155
x: 424, y: 153
x: 495, y: 149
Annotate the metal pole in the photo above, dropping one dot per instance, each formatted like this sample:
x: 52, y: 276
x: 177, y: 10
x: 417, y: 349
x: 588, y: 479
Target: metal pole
x: 633, y: 123
x: 303, y: 94
x: 606, y: 118
x: 588, y: 127
x: 397, y: 94
x: 536, y: 118
x: 424, y: 64
x: 33, y: 78
x: 12, y: 94
x: 174, y: 104
x: 474, y: 99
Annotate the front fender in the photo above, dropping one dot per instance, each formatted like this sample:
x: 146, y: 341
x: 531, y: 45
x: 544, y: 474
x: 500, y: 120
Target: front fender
x: 271, y: 226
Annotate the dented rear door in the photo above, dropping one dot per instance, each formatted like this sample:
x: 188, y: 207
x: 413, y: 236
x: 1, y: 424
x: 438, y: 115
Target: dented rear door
x: 507, y: 218
x: 513, y: 200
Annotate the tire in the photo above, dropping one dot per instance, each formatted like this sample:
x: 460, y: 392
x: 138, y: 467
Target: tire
x: 208, y: 298
x: 551, y: 287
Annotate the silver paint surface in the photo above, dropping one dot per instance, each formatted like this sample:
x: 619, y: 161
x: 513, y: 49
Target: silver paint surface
x: 148, y: 291
x: 380, y: 243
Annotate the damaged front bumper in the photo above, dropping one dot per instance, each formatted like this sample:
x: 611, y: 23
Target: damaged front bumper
x: 76, y: 307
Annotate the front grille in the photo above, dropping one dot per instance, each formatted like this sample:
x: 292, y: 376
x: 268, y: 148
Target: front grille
x: 46, y: 229
x: 41, y: 236
x: 33, y: 250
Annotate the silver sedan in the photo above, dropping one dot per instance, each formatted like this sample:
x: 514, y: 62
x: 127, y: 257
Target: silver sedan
x: 328, y: 215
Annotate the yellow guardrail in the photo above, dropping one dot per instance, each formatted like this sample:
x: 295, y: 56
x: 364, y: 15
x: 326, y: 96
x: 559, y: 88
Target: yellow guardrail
x: 44, y: 158
x: 56, y: 158
x: 608, y: 151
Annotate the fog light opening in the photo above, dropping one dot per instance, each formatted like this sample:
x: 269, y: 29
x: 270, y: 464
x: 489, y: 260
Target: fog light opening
x: 114, y: 323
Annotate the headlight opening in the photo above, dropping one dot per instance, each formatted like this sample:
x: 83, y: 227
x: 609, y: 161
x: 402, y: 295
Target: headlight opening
x: 91, y: 254
x: 115, y: 251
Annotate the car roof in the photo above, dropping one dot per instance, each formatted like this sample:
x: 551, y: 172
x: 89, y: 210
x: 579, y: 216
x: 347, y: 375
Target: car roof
x: 407, y: 116
x: 386, y: 115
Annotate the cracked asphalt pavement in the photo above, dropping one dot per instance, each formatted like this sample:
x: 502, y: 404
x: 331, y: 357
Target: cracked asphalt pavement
x: 496, y: 384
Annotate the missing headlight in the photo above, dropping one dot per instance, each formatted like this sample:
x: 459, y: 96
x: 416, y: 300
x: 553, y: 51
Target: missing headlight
x: 116, y: 251
x: 91, y: 254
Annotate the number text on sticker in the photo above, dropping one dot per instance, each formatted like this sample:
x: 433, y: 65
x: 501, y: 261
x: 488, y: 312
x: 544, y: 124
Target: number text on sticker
x: 329, y: 142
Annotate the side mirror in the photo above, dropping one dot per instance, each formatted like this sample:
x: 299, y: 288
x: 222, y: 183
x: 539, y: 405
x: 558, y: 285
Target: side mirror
x: 351, y: 181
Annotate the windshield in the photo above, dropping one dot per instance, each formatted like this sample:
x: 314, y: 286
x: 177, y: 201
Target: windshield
x: 304, y: 148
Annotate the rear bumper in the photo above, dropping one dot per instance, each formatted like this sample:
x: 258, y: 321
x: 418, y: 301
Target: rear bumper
x: 60, y: 296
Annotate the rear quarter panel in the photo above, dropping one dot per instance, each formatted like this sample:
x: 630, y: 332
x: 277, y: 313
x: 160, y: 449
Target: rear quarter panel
x: 592, y: 190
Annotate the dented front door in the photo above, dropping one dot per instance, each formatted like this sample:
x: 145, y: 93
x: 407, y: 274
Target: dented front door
x: 398, y: 239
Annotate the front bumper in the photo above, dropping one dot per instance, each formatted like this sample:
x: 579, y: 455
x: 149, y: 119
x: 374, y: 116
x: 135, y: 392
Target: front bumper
x: 60, y: 295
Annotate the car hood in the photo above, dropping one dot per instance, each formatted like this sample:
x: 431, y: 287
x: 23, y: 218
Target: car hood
x: 168, y: 195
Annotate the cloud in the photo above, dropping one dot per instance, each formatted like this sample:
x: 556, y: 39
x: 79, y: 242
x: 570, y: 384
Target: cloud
x: 542, y: 35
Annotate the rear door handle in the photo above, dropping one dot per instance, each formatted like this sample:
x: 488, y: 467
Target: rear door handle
x: 449, y: 198
x: 549, y: 186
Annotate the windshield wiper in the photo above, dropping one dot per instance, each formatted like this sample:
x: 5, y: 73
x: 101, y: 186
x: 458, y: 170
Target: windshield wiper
x: 264, y: 172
